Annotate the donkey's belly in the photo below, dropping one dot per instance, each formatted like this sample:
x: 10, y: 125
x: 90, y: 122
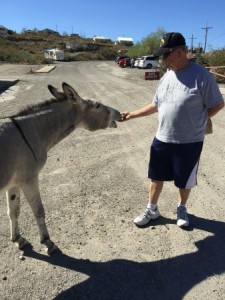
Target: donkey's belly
x: 7, y: 182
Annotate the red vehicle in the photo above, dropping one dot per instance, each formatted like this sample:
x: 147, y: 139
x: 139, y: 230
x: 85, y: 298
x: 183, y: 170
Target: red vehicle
x: 118, y: 58
x: 125, y: 62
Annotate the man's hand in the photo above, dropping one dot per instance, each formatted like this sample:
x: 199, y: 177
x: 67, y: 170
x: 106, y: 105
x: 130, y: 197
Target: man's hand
x: 142, y: 112
x: 125, y: 116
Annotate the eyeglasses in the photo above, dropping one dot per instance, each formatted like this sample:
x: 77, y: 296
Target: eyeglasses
x: 166, y: 55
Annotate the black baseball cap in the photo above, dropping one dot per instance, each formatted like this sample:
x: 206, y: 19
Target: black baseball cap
x: 169, y: 41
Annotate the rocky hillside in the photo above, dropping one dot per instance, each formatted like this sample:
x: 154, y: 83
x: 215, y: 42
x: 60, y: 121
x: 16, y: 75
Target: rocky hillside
x: 28, y: 47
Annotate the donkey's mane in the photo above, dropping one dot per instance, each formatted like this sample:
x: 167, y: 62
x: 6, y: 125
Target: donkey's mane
x: 37, y: 107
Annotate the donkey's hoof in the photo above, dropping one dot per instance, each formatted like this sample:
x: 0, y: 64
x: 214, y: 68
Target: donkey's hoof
x: 21, y: 242
x: 50, y: 247
x: 52, y: 250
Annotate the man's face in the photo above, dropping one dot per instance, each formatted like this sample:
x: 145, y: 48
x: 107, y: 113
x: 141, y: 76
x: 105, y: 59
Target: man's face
x: 170, y: 58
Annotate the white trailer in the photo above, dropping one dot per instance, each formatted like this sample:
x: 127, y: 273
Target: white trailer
x: 54, y: 54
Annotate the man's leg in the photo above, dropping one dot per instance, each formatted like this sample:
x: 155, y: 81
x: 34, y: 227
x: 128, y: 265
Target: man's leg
x: 183, y: 196
x: 182, y: 217
x: 185, y: 164
x: 151, y: 212
x: 155, y: 189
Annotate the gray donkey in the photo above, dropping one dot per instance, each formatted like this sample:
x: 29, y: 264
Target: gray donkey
x: 25, y: 139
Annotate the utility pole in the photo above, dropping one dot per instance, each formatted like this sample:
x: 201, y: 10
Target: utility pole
x: 192, y: 46
x: 206, y: 34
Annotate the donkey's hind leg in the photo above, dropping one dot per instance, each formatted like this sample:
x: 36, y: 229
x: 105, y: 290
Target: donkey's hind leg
x: 31, y: 192
x: 13, y: 204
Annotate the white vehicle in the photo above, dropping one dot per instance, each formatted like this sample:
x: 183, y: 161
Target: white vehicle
x: 136, y: 62
x: 54, y: 54
x: 148, y: 62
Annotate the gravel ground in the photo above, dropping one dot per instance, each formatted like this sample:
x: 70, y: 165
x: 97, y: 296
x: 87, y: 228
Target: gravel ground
x: 94, y: 184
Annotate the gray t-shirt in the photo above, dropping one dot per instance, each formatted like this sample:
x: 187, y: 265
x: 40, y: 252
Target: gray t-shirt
x: 183, y: 99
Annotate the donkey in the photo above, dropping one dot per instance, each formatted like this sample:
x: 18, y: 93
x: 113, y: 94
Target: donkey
x: 25, y: 139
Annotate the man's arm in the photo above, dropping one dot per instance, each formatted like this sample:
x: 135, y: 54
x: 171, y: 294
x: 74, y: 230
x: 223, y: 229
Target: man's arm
x: 214, y: 110
x: 142, y: 112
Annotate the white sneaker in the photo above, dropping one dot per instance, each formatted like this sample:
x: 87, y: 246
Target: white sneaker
x: 182, y: 217
x: 146, y: 217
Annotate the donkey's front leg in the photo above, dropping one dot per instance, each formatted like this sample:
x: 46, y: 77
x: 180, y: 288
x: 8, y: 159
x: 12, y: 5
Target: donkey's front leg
x: 13, y: 205
x: 31, y: 192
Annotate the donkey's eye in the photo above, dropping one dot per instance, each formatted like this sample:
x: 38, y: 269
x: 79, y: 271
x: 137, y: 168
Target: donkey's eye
x: 97, y: 105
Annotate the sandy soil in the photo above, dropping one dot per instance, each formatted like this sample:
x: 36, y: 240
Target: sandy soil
x: 93, y: 185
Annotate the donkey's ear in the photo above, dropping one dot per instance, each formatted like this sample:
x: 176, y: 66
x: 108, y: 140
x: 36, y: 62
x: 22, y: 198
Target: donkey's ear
x: 58, y: 95
x: 71, y: 94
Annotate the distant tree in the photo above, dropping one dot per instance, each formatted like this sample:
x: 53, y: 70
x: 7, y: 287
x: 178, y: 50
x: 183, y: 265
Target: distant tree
x: 148, y: 45
x: 152, y: 41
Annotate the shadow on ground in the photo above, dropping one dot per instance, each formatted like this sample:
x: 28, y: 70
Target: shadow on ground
x: 165, y: 279
x: 5, y: 84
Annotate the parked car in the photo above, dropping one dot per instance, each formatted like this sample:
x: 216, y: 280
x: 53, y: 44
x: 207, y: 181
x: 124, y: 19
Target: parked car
x: 136, y: 63
x: 118, y: 58
x: 148, y: 62
x: 125, y: 62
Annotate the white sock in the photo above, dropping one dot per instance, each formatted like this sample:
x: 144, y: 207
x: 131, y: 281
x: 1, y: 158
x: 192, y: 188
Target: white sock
x: 152, y: 206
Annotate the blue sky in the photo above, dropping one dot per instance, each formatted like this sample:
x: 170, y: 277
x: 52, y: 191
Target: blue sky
x: 135, y: 18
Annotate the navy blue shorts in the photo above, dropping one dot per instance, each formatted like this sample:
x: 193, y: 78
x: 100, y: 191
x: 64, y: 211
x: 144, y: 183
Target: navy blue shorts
x: 175, y: 162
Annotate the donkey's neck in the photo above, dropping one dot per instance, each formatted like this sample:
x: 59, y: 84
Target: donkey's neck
x: 47, y: 126
x: 60, y: 124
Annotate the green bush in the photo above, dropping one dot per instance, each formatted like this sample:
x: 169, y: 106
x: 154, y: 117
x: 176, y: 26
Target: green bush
x: 217, y: 58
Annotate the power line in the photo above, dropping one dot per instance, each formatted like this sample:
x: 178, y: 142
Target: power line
x: 206, y: 34
x: 219, y: 36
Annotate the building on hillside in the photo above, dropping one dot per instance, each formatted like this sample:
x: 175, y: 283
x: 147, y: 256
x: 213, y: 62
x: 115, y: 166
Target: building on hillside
x: 126, y: 41
x: 3, y: 30
x: 101, y: 39
x: 49, y: 31
x: 75, y: 35
x: 72, y: 46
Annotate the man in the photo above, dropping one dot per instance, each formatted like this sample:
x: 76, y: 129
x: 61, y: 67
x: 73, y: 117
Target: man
x: 186, y: 97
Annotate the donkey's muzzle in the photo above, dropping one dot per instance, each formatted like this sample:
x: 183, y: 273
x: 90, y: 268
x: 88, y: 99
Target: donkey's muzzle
x: 116, y: 116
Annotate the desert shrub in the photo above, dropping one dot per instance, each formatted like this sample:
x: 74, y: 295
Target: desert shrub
x: 17, y: 55
x: 106, y: 54
x: 217, y: 58
x: 83, y: 56
x: 202, y: 59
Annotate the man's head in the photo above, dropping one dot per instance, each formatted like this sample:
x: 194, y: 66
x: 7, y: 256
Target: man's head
x: 173, y: 50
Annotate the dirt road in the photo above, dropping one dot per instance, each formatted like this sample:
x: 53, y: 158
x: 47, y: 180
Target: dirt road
x: 93, y: 185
